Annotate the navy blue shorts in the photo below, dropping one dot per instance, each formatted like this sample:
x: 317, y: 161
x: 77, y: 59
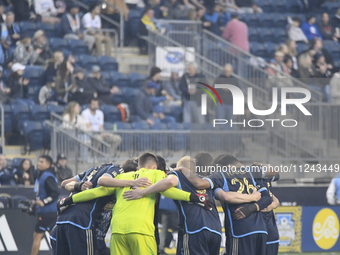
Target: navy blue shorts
x: 250, y: 245
x: 201, y: 243
x: 272, y: 248
x: 67, y: 239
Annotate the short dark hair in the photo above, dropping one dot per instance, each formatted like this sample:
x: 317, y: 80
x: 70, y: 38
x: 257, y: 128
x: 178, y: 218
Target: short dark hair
x: 129, y: 165
x: 225, y: 159
x: 93, y: 6
x: 47, y: 158
x: 94, y: 99
x: 287, y: 58
x: 313, y: 42
x: 297, y: 19
x: 146, y: 157
x: 161, y: 165
x: 203, y: 159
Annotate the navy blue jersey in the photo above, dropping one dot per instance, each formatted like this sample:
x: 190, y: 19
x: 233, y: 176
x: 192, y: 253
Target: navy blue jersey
x: 269, y: 217
x: 194, y: 218
x: 83, y: 215
x: 241, y: 181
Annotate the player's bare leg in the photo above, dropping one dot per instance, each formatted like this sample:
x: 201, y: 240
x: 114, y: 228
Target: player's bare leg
x: 36, y: 243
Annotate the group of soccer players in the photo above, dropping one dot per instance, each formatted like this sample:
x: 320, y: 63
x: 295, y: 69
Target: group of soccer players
x: 128, y: 196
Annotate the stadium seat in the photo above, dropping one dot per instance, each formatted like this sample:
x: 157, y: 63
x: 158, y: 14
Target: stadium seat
x: 21, y: 113
x: 265, y: 20
x: 253, y: 36
x: 35, y: 74
x: 8, y: 118
x: 270, y: 49
x: 87, y: 61
x: 47, y: 136
x: 332, y: 48
x: 280, y: 36
x: 292, y: 6
x: 136, y: 80
x: 78, y: 46
x: 266, y: 5
x: 279, y: 6
x: 258, y: 49
x: 177, y: 141
x: 33, y: 93
x: 58, y: 44
x: 129, y: 94
x: 39, y: 113
x: 28, y: 28
x: 56, y: 109
x: 49, y: 29
x: 16, y: 162
x: 143, y: 125
x: 266, y: 34
x: 107, y: 76
x: 127, y: 138
x: 159, y: 126
x: 141, y: 141
x: 120, y: 80
x: 34, y: 135
x: 111, y: 113
x: 279, y: 20
x: 302, y: 47
x: 108, y: 63
x: 251, y: 19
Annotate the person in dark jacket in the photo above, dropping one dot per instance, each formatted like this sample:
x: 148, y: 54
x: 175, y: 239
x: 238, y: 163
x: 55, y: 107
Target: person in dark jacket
x: 225, y: 111
x: 191, y: 96
x: 317, y: 46
x: 71, y: 27
x: 24, y: 173
x: 24, y: 11
x: 53, y: 64
x: 63, y: 172
x: 6, y: 174
x: 17, y: 83
x: 104, y: 90
x: 326, y: 28
x: 46, y: 202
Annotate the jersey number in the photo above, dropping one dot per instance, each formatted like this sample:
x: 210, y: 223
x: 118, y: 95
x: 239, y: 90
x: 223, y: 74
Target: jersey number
x: 243, y: 184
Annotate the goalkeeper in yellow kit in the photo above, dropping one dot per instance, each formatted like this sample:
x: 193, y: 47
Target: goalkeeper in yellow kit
x: 132, y: 224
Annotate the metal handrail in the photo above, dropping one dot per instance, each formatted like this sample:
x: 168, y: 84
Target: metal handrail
x: 2, y: 127
x: 120, y: 25
x: 113, y: 31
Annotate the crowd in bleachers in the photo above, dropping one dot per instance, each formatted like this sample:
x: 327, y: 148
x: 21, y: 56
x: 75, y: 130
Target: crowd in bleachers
x: 21, y: 172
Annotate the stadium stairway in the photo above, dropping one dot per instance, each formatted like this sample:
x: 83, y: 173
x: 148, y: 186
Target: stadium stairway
x: 130, y: 60
x: 15, y: 151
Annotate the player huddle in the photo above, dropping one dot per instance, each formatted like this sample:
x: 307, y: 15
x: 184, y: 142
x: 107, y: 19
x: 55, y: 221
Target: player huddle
x: 128, y: 196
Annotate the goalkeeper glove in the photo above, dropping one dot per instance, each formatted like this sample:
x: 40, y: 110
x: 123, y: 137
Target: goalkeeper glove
x: 63, y: 204
x: 202, y: 200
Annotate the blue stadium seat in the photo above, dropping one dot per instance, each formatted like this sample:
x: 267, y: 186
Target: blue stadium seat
x: 16, y: 162
x: 28, y: 28
x: 136, y: 80
x: 111, y: 113
x: 108, y: 63
x: 332, y: 48
x: 33, y: 93
x: 302, y: 47
x: 21, y: 113
x: 49, y: 29
x: 258, y: 49
x: 252, y: 20
x: 280, y: 35
x: 253, y: 36
x: 270, y: 49
x: 141, y: 141
x: 279, y: 6
x: 133, y: 27
x: 177, y: 141
x: 143, y: 125
x: 39, y: 113
x: 292, y: 6
x: 8, y: 118
x: 266, y: 34
x: 87, y: 61
x: 120, y: 80
x: 135, y: 14
x: 127, y: 138
x: 279, y: 20
x: 107, y: 76
x: 58, y: 44
x: 159, y: 126
x: 266, y: 5
x: 129, y: 94
x: 5, y: 74
x: 35, y: 74
x: 265, y: 19
x: 78, y: 46
x: 47, y: 136
x: 56, y: 109
x: 34, y: 135
x: 123, y: 125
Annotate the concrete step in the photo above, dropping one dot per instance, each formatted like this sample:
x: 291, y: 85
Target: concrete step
x: 133, y: 63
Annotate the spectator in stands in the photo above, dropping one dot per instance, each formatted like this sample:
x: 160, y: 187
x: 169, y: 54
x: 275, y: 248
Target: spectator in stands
x: 6, y: 175
x: 309, y: 28
x: 288, y: 62
x: 236, y: 32
x: 211, y: 20
x: 326, y: 29
x: 194, y: 4
x: 305, y: 67
x: 24, y: 11
x: 335, y: 88
x: 111, y: 12
x: 322, y: 76
x: 277, y: 71
x: 53, y: 64
x: 171, y: 87
x: 63, y: 171
x: 47, y: 93
x: 2, y: 13
x: 295, y: 33
x: 173, y: 9
x: 94, y: 119
x: 336, y: 22
x: 71, y: 27
x: 72, y: 117
x: 156, y: 6
x: 145, y: 24
x: 247, y: 6
x: 10, y: 31
x: 317, y: 46
x: 106, y: 92
x: 47, y: 10
x: 292, y: 52
x: 143, y: 107
x: 81, y: 91
x: 92, y: 23
x: 17, y: 83
x: 63, y: 80
x: 24, y: 174
x: 4, y: 90
x: 25, y: 53
x: 283, y: 48
x: 190, y: 96
x: 47, y: 197
x: 40, y: 42
x: 225, y: 111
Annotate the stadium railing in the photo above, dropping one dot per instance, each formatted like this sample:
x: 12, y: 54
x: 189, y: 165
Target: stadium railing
x: 2, y: 127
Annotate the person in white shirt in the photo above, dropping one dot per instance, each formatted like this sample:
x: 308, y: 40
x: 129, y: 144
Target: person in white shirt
x: 72, y: 118
x: 94, y: 119
x: 47, y: 10
x: 92, y: 23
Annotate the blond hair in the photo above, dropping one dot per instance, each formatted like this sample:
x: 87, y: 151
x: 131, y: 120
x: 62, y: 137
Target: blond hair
x: 187, y: 162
